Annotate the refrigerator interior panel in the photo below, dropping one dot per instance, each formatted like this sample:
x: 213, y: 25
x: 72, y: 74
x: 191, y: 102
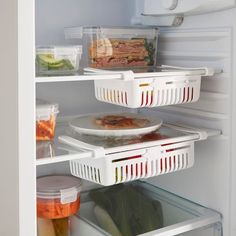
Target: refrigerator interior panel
x: 202, y: 40
x: 52, y: 17
x: 211, y: 180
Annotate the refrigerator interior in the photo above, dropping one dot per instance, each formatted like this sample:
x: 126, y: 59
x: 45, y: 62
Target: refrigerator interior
x: 202, y: 40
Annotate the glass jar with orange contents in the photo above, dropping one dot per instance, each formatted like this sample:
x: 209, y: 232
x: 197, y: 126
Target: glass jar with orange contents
x: 46, y: 114
x: 58, y: 197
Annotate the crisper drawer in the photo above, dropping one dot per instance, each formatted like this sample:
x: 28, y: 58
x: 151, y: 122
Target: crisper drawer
x: 139, y: 208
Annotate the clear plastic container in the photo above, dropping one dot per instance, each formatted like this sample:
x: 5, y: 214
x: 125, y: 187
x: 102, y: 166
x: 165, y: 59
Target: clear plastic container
x: 139, y: 208
x: 58, y: 60
x: 116, y: 47
x: 46, y: 115
x: 58, y: 198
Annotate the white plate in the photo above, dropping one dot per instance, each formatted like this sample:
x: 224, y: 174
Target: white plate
x: 86, y: 125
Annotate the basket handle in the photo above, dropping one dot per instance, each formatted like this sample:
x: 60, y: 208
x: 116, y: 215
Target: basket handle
x: 205, y: 71
x: 125, y: 75
x: 203, y: 134
x: 96, y: 150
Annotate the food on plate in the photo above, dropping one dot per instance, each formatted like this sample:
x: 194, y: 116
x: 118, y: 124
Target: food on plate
x: 49, y: 62
x: 54, y: 209
x: 111, y: 52
x: 120, y: 122
x: 45, y: 129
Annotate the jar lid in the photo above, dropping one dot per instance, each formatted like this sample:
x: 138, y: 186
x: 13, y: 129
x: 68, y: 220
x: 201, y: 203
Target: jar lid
x: 59, y: 50
x: 64, y: 187
x: 45, y: 109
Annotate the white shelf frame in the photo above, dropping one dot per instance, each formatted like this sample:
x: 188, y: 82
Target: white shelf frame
x: 96, y: 74
x: 195, y: 134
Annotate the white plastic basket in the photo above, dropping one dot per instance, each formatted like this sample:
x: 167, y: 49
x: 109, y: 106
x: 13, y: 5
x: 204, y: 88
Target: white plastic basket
x: 119, y: 164
x: 149, y: 92
x: 170, y: 86
x: 131, y: 165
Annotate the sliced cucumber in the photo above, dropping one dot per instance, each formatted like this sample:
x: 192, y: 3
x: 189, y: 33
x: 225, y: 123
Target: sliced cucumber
x: 47, y: 62
x: 49, y: 59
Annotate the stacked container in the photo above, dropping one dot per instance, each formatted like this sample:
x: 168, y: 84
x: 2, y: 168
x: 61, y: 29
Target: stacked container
x: 58, y: 197
x: 116, y: 47
x: 57, y: 60
x: 46, y: 114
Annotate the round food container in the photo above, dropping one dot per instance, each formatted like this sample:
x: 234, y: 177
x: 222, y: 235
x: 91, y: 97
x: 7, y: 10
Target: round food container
x: 58, y: 196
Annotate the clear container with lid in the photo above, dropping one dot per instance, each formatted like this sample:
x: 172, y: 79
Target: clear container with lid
x: 57, y: 60
x: 116, y: 47
x: 58, y: 198
x: 46, y: 114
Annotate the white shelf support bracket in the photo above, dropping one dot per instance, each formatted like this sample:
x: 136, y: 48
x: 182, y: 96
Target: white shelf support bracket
x: 203, y: 133
x: 96, y: 150
x: 125, y: 75
x: 205, y: 71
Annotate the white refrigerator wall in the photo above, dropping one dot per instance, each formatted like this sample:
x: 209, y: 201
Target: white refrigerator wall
x: 203, y: 40
x: 208, y: 40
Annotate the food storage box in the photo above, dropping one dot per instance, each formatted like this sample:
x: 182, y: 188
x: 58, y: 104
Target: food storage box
x: 58, y: 60
x: 46, y: 115
x: 142, y: 209
x: 117, y: 47
x: 58, y: 197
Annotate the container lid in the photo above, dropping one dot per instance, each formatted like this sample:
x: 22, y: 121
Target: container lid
x: 59, y: 50
x: 58, y: 186
x: 45, y: 109
x: 120, y: 32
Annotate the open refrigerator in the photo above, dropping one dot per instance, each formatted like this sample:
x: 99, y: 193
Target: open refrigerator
x: 191, y: 171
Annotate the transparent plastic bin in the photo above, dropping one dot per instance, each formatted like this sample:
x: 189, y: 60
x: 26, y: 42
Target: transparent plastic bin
x: 57, y: 60
x: 178, y: 215
x: 46, y: 114
x: 116, y: 47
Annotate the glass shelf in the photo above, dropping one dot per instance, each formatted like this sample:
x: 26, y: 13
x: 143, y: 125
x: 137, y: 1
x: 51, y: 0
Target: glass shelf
x: 118, y: 73
x: 48, y: 152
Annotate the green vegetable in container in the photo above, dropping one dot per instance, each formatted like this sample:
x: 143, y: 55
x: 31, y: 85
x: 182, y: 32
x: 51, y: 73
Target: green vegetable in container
x: 151, y: 51
x: 131, y: 211
x: 105, y: 221
x: 48, y: 62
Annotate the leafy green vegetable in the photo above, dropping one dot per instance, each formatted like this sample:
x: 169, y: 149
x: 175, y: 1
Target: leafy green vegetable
x: 48, y: 63
x: 106, y: 222
x: 132, y: 212
x: 151, y: 52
